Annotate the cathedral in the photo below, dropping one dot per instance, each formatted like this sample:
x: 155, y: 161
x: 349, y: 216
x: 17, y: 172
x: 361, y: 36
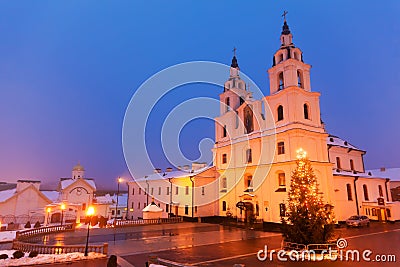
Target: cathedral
x: 256, y: 141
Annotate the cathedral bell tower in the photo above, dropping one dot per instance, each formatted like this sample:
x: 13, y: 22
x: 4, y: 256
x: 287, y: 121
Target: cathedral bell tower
x: 288, y: 68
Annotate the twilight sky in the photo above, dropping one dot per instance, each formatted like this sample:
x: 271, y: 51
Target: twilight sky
x: 68, y: 70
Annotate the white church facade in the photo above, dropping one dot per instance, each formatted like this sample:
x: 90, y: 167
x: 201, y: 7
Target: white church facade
x: 256, y: 143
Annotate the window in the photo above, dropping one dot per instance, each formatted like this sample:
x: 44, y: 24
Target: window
x: 133, y: 190
x: 373, y: 212
x: 168, y: 190
x: 299, y: 79
x: 257, y: 210
x: 186, y: 209
x: 159, y: 190
x: 349, y: 194
x: 306, y: 116
x: 248, y: 182
x: 140, y: 190
x: 152, y: 191
x: 203, y: 191
x: 227, y: 102
x: 224, y: 158
x: 176, y: 190
x: 224, y: 131
x: 132, y: 205
x: 195, y: 209
x: 338, y: 166
x: 112, y: 212
x: 351, y: 165
x: 83, y: 206
x: 280, y: 81
x: 224, y: 183
x: 281, y: 179
x: 138, y: 205
x: 380, y: 190
x: 388, y: 213
x: 223, y: 205
x: 167, y: 208
x: 118, y: 212
x: 248, y: 119
x: 187, y: 190
x: 365, y: 189
x: 249, y: 157
x: 281, y: 148
x: 280, y: 113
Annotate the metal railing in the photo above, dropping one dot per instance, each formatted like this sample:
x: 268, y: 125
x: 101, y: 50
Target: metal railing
x: 47, y: 249
x: 127, y: 223
x: 22, y: 235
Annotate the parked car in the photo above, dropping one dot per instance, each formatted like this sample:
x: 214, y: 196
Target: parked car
x: 357, y: 221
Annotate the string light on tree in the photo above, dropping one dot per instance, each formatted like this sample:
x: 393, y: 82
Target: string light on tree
x: 309, y: 219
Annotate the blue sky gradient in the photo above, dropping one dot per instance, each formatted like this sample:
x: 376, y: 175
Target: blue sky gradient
x: 69, y: 68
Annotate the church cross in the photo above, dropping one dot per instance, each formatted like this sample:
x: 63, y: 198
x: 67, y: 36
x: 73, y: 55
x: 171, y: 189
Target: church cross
x: 234, y: 51
x: 284, y: 14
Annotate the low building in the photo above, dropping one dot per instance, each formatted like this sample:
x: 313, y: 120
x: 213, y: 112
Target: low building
x: 187, y: 192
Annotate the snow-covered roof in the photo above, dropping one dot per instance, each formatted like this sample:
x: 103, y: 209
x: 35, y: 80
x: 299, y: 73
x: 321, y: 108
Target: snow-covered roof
x: 67, y: 182
x: 392, y: 173
x: 173, y: 174
x: 52, y: 195
x: 152, y: 207
x: 336, y: 141
x: 108, y: 199
x: 356, y: 174
x: 6, y: 194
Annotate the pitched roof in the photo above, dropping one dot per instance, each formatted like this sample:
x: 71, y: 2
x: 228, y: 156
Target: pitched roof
x: 392, y: 173
x: 6, y: 194
x: 336, y: 141
x: 173, y: 174
x: 65, y: 182
x: 52, y: 195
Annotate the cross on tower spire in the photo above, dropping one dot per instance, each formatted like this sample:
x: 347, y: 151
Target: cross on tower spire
x: 234, y: 51
x: 284, y: 15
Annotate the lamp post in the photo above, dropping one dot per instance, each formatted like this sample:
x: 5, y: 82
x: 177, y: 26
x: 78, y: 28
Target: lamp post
x: 116, y: 206
x: 147, y: 193
x: 62, y: 212
x: 89, y: 213
x: 191, y: 179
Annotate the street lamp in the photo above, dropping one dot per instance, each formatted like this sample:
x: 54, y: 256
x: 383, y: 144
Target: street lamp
x: 116, y: 206
x: 89, y: 213
x: 62, y: 213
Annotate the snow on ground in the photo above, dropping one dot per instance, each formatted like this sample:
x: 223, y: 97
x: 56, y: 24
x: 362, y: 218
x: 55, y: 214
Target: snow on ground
x: 46, y: 258
x: 7, y: 236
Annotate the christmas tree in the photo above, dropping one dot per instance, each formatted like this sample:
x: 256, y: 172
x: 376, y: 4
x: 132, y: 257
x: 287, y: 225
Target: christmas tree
x: 309, y: 220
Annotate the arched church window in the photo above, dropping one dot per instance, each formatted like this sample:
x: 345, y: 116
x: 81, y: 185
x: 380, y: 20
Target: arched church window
x: 299, y: 79
x: 224, y: 184
x: 351, y: 165
x: 380, y: 190
x: 280, y: 81
x: 365, y: 189
x: 349, y: 194
x: 281, y: 179
x: 223, y: 205
x: 248, y: 181
x: 248, y: 119
x: 306, y: 112
x: 280, y: 113
x: 227, y: 103
x: 280, y: 58
x: 224, y: 131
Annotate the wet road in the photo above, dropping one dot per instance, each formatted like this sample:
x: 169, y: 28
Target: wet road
x: 380, y: 239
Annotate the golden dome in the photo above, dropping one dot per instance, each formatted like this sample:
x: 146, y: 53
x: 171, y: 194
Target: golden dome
x: 78, y: 167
